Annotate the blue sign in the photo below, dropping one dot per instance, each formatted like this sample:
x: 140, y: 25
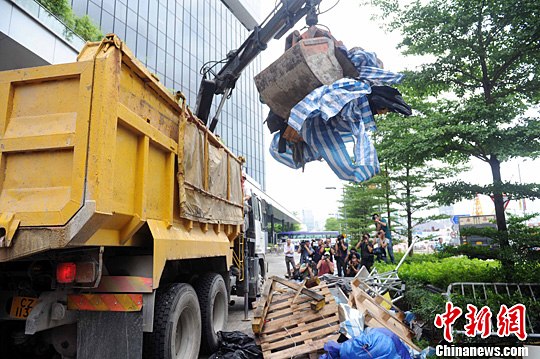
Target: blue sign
x: 455, y: 219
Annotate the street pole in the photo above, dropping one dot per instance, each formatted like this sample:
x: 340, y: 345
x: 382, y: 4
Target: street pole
x: 246, y: 279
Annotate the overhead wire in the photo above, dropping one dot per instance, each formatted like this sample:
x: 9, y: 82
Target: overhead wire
x: 325, y: 11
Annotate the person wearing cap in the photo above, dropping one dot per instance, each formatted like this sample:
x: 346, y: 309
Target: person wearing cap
x: 380, y: 224
x: 325, y: 265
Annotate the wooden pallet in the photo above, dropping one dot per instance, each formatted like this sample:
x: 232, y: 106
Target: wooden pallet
x: 378, y: 316
x: 293, y: 329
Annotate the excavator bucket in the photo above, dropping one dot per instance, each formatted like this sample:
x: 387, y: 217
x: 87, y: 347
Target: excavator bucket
x: 308, y: 64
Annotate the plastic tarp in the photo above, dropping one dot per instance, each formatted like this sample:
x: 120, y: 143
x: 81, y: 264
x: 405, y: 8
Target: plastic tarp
x: 209, y: 205
x: 351, y: 321
x: 378, y: 343
x: 236, y: 186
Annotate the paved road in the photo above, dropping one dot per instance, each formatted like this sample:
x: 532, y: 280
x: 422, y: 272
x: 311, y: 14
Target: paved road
x: 276, y: 266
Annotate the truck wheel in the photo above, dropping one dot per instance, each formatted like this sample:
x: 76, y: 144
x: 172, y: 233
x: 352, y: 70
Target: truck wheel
x: 212, y: 294
x: 177, y: 324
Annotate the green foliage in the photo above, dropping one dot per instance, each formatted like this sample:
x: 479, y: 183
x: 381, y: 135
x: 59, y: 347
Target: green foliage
x: 81, y: 26
x: 332, y: 224
x: 482, y: 77
x: 359, y: 202
x: 442, y: 272
x: 425, y: 304
x: 471, y: 252
x: 86, y: 29
x: 448, y: 193
x: 410, y: 174
x: 523, y: 250
x: 494, y: 302
x: 288, y: 228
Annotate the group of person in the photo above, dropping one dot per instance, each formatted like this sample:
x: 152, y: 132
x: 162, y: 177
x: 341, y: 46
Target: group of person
x: 321, y: 257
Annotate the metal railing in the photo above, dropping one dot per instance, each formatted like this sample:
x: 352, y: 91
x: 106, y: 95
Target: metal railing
x: 481, y: 291
x: 239, y: 257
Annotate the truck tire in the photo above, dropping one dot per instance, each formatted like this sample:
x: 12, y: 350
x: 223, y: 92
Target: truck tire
x: 177, y: 324
x: 213, y: 302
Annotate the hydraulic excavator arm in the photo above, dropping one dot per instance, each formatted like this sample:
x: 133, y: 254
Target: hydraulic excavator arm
x: 286, y: 14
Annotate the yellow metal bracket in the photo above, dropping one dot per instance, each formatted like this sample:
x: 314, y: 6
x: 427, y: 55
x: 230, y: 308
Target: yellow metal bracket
x: 8, y: 227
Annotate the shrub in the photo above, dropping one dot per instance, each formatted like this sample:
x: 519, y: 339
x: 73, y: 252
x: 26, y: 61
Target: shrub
x: 82, y: 26
x: 471, y: 252
x: 430, y: 269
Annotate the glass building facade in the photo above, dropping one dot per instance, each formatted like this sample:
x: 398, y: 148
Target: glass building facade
x: 174, y: 38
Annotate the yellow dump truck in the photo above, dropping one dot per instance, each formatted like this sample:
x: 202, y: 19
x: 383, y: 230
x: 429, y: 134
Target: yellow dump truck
x: 120, y: 213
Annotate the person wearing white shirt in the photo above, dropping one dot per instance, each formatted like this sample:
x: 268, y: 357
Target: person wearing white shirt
x: 289, y: 257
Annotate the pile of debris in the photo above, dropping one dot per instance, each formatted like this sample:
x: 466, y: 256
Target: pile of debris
x: 337, y: 316
x: 292, y: 320
x: 309, y: 319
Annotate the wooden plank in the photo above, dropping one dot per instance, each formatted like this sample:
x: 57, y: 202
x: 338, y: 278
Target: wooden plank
x: 379, y: 299
x: 289, y: 293
x: 291, y: 329
x: 309, y: 292
x: 299, y: 290
x: 301, y: 338
x: 279, y: 299
x: 302, y: 308
x: 279, y: 324
x: 364, y: 299
x: 286, y: 308
x: 303, y: 349
x: 269, y: 338
x: 373, y: 321
x: 395, y: 326
x: 264, y: 298
x: 279, y: 303
x: 259, y: 314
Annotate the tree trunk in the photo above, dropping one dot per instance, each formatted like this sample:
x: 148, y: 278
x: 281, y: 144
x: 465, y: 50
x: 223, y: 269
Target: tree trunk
x: 387, y: 194
x: 408, y: 208
x: 498, y: 196
x: 506, y: 263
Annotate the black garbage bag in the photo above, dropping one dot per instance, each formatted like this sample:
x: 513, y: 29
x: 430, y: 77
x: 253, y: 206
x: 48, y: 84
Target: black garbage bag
x: 236, y: 345
x: 386, y: 97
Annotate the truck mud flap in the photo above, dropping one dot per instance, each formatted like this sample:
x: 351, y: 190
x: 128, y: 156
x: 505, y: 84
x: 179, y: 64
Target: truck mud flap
x: 110, y: 335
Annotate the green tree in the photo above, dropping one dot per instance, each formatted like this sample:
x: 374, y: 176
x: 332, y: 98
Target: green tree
x: 332, y: 224
x: 359, y: 202
x: 485, y: 73
x: 411, y: 175
x: 82, y: 26
x: 85, y: 28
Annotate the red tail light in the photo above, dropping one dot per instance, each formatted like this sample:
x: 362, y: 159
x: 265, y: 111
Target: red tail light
x: 66, y: 272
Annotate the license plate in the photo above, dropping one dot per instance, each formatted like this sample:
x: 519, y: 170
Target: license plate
x: 22, y: 306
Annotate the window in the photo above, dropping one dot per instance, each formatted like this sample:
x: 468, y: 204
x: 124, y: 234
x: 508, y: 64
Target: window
x: 132, y: 19
x: 143, y: 9
x: 141, y: 48
x: 107, y: 22
x: 120, y: 29
x: 121, y: 12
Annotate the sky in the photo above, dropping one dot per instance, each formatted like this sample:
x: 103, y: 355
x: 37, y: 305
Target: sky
x: 317, y: 188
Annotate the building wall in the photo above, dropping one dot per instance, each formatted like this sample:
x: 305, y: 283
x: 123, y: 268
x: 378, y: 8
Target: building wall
x: 174, y: 38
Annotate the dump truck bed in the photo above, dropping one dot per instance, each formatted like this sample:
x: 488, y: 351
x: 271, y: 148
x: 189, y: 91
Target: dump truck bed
x: 92, y: 152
